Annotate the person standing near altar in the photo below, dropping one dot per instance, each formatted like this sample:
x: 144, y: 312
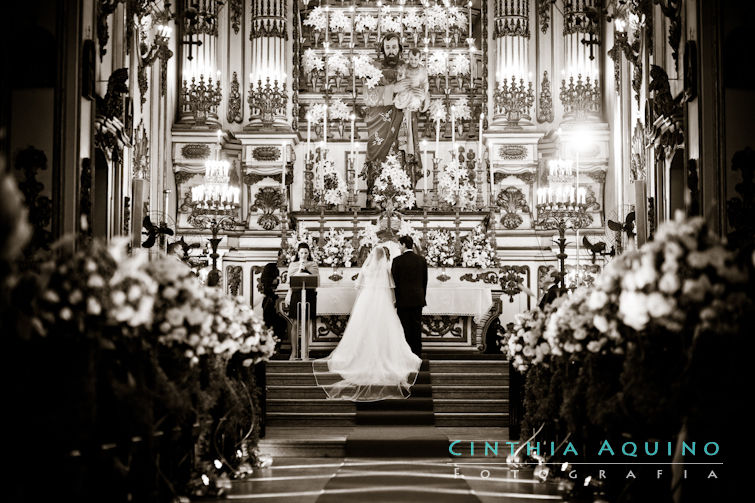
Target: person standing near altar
x: 386, y: 124
x: 409, y: 272
x: 302, y: 263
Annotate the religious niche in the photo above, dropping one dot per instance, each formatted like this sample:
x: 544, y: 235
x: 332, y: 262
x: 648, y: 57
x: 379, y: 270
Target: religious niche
x: 512, y: 278
x: 233, y: 273
x: 267, y: 200
x: 443, y: 326
x: 195, y: 151
x: 511, y: 200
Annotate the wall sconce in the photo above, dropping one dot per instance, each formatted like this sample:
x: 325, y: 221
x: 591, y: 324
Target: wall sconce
x: 148, y: 55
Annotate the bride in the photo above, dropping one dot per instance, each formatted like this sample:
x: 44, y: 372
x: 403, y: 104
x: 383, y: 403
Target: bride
x: 373, y: 361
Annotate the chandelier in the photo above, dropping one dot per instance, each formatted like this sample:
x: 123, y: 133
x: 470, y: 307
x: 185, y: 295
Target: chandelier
x: 215, y: 195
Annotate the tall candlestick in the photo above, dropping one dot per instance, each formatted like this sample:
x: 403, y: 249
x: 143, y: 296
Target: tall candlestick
x: 309, y: 135
x: 453, y: 130
x: 469, y: 5
x: 283, y: 169
x: 437, y: 138
x: 424, y: 167
x: 479, y: 140
x: 325, y: 125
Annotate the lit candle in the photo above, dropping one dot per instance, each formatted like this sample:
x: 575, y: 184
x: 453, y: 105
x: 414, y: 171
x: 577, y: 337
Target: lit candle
x: 437, y: 138
x: 479, y: 140
x: 325, y: 125
x: 469, y: 5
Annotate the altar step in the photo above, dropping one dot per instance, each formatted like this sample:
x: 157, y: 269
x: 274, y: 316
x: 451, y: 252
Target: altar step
x: 447, y: 393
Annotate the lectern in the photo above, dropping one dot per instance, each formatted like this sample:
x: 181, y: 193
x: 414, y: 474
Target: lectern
x: 304, y: 326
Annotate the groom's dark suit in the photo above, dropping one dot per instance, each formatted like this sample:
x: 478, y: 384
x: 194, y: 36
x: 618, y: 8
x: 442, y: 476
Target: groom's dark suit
x: 409, y: 272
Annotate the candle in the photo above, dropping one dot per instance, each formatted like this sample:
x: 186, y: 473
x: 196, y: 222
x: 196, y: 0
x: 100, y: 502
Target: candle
x: 453, y: 130
x: 424, y: 165
x: 437, y: 138
x: 470, y: 18
x: 309, y: 135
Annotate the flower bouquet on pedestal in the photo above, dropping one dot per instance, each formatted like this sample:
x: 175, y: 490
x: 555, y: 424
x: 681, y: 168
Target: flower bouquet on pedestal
x: 454, y: 187
x: 436, y: 21
x: 437, y: 65
x: 339, y: 111
x: 460, y: 67
x: 365, y: 24
x: 338, y: 67
x: 331, y: 185
x: 312, y: 65
x: 413, y: 23
x: 339, y: 23
x: 393, y: 189
x: 318, y: 20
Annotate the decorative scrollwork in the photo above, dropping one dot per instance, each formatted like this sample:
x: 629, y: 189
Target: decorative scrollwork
x: 335, y: 277
x: 544, y: 14
x: 672, y: 9
x: 30, y: 161
x: 332, y: 324
x: 266, y: 153
x: 268, y: 199
x: 512, y: 152
x: 667, y: 133
x: 443, y: 277
x: 195, y: 151
x: 234, y: 101
x: 545, y: 101
x: 233, y: 272
x: 236, y: 8
x: 183, y: 176
x: 637, y: 169
x: 489, y: 277
x: 511, y: 279
x: 438, y: 326
x: 511, y: 200
x: 141, y: 153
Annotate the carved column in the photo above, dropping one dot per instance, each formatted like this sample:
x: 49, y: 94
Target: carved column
x: 268, y: 35
x: 199, y: 42
x: 511, y: 38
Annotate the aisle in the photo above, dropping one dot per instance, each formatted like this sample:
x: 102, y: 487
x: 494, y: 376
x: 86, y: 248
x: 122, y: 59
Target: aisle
x: 385, y: 464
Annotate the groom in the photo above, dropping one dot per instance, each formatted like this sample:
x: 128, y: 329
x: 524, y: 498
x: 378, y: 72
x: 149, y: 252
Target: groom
x: 409, y: 272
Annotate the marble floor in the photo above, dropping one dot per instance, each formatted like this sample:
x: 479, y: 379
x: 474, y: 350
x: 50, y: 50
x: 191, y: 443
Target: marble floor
x: 324, y: 478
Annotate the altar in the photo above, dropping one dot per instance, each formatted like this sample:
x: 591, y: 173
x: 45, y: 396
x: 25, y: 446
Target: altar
x: 455, y: 316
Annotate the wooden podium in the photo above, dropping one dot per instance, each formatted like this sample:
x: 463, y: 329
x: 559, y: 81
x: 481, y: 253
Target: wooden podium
x: 303, y: 327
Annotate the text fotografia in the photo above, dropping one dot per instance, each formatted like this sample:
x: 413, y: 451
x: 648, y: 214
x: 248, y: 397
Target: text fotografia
x: 605, y: 450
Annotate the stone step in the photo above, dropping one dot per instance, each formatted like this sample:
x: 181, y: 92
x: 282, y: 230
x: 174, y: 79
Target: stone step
x: 467, y: 405
x: 464, y: 378
x: 309, y: 405
x: 471, y: 392
x: 469, y: 366
x: 304, y: 379
x: 313, y: 419
x: 480, y: 419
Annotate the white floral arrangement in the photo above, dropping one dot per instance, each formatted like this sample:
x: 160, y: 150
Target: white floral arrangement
x: 311, y: 61
x: 339, y: 21
x: 337, y: 249
x: 365, y: 69
x: 332, y: 188
x: 317, y: 112
x: 476, y: 250
x: 436, y: 18
x: 407, y: 229
x: 438, y: 111
x: 317, y: 19
x: 460, y: 65
x: 461, y: 109
x: 437, y: 63
x: 440, y: 248
x: 338, y: 63
x: 456, y: 17
x: 412, y: 20
x: 454, y: 186
x: 365, y: 22
x: 338, y: 110
x: 132, y: 290
x: 393, y: 186
x: 389, y: 23
x: 368, y: 236
x: 524, y: 343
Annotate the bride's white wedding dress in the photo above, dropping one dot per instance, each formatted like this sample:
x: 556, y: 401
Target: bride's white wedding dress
x: 373, y: 361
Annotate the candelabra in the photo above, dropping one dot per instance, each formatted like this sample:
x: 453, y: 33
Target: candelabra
x: 560, y: 216
x: 514, y: 101
x: 201, y: 98
x: 436, y: 167
x: 351, y: 200
x: 267, y: 100
x: 580, y: 99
